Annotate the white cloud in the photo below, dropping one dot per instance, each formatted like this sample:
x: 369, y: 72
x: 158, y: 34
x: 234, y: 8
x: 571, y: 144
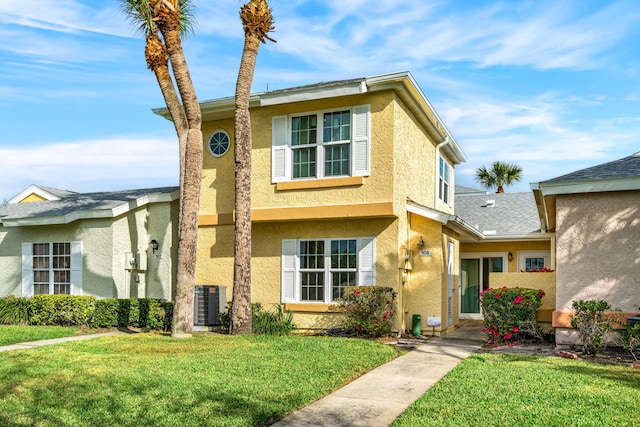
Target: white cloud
x: 90, y: 165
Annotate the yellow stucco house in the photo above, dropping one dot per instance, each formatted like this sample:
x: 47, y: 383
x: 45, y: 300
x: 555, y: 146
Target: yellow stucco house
x: 352, y: 184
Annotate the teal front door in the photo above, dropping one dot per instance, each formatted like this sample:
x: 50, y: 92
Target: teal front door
x: 474, y: 278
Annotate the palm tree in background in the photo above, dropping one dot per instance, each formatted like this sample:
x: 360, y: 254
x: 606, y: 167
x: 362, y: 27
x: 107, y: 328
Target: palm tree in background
x: 171, y: 18
x: 501, y: 174
x: 257, y: 22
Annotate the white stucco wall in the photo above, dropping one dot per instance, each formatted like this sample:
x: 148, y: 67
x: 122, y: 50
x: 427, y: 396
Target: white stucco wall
x: 104, y: 244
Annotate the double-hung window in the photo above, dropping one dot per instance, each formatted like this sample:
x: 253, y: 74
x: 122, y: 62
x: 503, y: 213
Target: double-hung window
x: 322, y: 144
x: 444, y: 186
x: 51, y: 268
x: 318, y: 270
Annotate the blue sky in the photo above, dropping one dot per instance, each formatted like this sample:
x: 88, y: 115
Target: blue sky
x: 552, y: 86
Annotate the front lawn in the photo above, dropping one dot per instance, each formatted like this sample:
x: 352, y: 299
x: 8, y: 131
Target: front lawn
x: 153, y: 380
x: 507, y: 390
x: 15, y: 334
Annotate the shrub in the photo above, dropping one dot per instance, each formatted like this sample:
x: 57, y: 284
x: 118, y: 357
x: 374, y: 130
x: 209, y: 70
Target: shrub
x: 146, y: 312
x: 510, y: 314
x: 369, y: 310
x: 14, y: 310
x: 276, y: 322
x: 630, y: 340
x: 593, y: 324
x: 62, y: 310
x: 107, y: 313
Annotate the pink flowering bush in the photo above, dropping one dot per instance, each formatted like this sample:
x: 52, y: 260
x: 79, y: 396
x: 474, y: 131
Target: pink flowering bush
x: 369, y: 310
x: 510, y: 314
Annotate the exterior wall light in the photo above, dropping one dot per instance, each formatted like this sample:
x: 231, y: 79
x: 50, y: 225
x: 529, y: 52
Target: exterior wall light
x: 154, y: 245
x: 420, y: 243
x: 510, y: 256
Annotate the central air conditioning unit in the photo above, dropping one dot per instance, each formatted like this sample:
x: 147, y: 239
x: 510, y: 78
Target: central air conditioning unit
x: 208, y: 303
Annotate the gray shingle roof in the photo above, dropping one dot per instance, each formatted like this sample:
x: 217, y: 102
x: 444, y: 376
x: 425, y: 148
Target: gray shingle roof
x: 627, y: 167
x: 511, y: 214
x: 461, y: 190
x: 74, y: 202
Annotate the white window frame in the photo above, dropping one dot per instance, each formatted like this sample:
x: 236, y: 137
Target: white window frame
x: 359, y: 144
x: 215, y: 132
x: 291, y: 278
x: 28, y: 269
x: 523, y: 255
x: 444, y: 185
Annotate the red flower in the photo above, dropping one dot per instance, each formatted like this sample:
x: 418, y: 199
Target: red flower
x: 484, y: 330
x: 541, y: 293
x: 507, y: 336
x: 497, y: 295
x: 518, y: 299
x: 515, y: 329
x: 358, y: 327
x: 356, y: 292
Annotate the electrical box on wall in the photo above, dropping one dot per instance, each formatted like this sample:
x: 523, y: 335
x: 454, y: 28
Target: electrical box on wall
x: 135, y: 261
x: 130, y: 261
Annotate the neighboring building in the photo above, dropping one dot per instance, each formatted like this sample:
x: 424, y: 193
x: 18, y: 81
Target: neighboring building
x: 57, y: 241
x: 509, y: 241
x: 595, y: 214
x: 352, y: 184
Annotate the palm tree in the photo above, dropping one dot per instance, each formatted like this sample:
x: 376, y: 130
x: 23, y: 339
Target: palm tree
x: 171, y: 18
x: 257, y: 22
x: 500, y: 174
x: 139, y: 13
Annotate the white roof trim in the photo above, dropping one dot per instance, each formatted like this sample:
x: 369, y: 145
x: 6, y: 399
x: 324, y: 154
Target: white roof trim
x: 93, y: 214
x: 311, y: 94
x: 33, y: 189
x: 428, y: 213
x: 595, y: 186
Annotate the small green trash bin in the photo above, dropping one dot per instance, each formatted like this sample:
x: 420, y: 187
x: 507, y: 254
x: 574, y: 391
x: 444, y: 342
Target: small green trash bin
x: 415, y: 325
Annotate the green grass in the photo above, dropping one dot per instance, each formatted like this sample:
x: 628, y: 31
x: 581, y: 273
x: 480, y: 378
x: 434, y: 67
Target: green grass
x: 153, y: 380
x: 503, y: 390
x: 16, y: 334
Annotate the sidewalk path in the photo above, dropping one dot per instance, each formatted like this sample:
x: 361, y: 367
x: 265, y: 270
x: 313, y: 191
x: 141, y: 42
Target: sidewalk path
x: 31, y: 344
x: 377, y: 398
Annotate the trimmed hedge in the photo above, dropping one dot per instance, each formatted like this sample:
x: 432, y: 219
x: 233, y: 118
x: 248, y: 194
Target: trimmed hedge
x: 62, y: 310
x: 74, y: 310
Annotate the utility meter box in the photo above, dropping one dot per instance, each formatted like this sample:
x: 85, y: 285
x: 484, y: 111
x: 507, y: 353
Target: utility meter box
x: 208, y: 303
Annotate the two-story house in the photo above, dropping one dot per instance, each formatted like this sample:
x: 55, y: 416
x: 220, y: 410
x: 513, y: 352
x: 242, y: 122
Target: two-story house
x: 352, y: 184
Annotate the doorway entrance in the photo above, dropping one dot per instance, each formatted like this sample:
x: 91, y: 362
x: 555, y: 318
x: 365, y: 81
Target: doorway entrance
x: 474, y: 278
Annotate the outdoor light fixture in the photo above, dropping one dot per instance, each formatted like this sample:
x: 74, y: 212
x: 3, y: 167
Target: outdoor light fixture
x: 420, y: 243
x: 154, y: 245
x: 510, y: 256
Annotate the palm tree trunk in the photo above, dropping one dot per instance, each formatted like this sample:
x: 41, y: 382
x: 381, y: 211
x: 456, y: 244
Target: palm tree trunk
x: 241, y: 303
x: 182, y: 326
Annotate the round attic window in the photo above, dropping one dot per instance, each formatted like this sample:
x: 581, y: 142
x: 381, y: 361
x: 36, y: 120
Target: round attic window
x: 219, y: 143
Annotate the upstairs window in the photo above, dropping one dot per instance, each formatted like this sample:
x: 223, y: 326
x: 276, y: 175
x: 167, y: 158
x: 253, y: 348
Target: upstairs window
x: 444, y: 188
x: 51, y: 268
x: 321, y: 144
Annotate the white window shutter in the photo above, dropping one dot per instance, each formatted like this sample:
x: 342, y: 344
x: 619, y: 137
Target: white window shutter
x: 289, y: 251
x: 27, y: 269
x: 366, y: 261
x: 279, y: 149
x: 361, y: 140
x: 76, y: 268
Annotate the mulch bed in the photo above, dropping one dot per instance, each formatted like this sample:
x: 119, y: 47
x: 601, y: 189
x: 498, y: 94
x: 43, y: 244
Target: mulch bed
x: 608, y: 356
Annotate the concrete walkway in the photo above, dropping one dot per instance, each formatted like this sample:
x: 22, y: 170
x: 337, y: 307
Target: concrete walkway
x: 377, y: 398
x: 31, y: 344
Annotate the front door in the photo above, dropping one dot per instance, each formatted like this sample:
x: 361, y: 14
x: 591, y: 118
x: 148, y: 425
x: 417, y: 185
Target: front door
x: 474, y: 278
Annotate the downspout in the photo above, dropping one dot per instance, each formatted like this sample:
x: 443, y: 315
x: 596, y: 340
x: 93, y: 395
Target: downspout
x: 444, y: 142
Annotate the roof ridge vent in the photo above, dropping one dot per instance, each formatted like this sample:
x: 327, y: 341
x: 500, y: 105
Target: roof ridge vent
x: 491, y: 203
